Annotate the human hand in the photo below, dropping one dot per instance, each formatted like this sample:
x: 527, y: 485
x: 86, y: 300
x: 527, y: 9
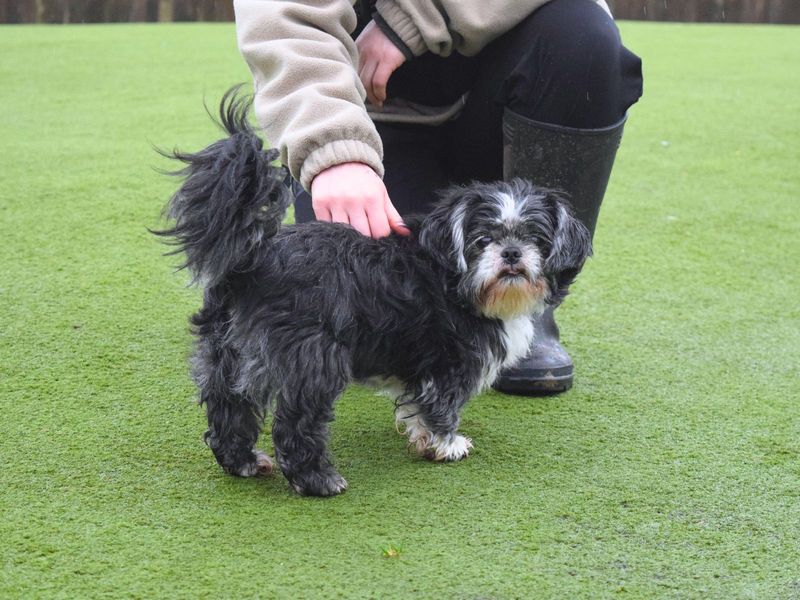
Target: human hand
x: 353, y: 193
x: 378, y: 59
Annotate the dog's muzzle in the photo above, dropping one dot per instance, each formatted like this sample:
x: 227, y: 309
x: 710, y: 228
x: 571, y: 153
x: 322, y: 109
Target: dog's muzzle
x: 511, y: 255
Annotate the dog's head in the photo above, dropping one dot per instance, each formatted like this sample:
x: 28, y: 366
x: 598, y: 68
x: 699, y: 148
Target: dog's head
x: 514, y: 247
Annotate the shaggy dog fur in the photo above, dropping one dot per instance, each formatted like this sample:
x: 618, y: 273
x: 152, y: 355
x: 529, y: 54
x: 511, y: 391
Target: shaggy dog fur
x: 292, y: 314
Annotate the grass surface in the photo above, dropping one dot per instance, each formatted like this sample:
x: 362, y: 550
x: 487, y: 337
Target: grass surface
x: 672, y: 468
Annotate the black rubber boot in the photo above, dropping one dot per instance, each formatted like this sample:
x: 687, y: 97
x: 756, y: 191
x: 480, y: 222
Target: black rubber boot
x: 579, y: 162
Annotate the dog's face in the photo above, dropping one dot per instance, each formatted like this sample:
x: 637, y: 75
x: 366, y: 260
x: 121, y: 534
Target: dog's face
x: 514, y: 247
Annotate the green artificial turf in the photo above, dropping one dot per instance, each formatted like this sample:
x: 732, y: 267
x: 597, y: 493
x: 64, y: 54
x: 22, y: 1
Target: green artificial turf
x: 671, y: 469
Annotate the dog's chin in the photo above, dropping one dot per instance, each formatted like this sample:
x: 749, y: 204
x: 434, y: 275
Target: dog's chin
x: 512, y: 293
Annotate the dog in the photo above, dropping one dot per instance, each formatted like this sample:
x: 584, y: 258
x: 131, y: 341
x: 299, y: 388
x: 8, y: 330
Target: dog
x: 292, y: 314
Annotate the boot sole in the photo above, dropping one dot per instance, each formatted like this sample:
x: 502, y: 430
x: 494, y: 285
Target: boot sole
x: 546, y: 385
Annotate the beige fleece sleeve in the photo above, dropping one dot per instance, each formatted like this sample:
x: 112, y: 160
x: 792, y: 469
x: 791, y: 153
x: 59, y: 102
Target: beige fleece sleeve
x: 308, y: 97
x: 444, y: 26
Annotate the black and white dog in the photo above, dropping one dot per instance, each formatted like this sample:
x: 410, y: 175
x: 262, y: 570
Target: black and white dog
x: 292, y: 314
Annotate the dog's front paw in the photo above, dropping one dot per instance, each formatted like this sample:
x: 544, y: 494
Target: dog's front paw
x: 261, y: 466
x: 318, y: 483
x: 448, y: 448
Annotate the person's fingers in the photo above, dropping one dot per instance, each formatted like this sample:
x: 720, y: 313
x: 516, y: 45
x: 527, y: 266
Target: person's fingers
x: 339, y: 215
x: 378, y: 220
x: 353, y: 193
x: 379, y: 80
x: 367, y: 80
x: 321, y: 212
x: 365, y: 73
x: 395, y: 220
x: 359, y: 222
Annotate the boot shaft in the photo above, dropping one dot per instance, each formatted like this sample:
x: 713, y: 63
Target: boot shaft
x: 576, y: 161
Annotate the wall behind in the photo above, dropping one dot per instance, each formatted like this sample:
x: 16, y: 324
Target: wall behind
x: 107, y: 11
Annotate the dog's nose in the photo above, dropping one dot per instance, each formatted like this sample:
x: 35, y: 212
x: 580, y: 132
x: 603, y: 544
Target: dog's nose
x: 511, y: 255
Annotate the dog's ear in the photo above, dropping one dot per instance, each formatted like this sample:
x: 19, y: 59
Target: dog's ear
x: 571, y: 246
x: 443, y: 231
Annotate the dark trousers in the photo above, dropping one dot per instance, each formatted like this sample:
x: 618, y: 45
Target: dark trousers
x: 565, y: 65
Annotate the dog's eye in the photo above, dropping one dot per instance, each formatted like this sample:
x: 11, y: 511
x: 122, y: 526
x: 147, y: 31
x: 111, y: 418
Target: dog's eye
x: 484, y: 241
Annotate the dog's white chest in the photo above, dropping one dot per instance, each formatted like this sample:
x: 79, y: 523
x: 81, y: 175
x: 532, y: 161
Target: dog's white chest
x: 517, y: 337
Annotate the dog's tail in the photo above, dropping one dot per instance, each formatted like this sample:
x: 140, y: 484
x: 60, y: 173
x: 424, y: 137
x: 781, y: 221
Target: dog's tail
x: 232, y: 199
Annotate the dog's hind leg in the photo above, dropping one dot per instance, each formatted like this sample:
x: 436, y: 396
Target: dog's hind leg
x: 315, y: 374
x: 234, y: 421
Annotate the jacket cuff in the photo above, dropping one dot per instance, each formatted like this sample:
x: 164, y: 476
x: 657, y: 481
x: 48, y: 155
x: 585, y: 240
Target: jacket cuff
x: 401, y: 24
x: 393, y: 37
x: 336, y: 153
